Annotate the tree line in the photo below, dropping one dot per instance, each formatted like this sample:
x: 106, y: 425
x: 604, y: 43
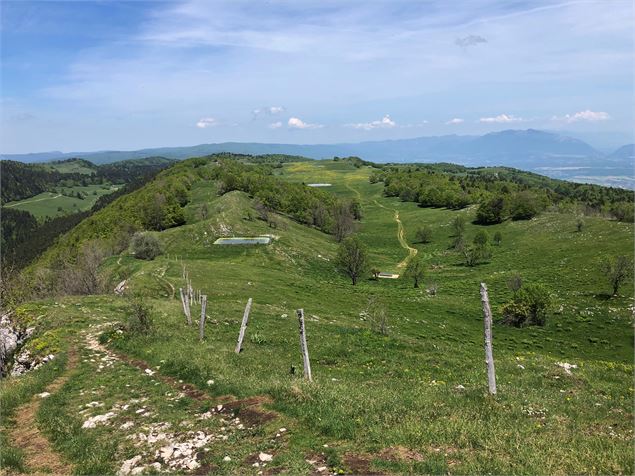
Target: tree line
x: 501, y: 193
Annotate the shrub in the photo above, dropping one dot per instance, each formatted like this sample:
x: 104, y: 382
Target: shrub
x: 424, y: 234
x: 498, y: 238
x: 139, y: 316
x: 415, y: 270
x: 528, y: 307
x: 515, y: 282
x: 145, y: 246
x: 579, y: 225
x: 377, y: 315
x: 481, y: 238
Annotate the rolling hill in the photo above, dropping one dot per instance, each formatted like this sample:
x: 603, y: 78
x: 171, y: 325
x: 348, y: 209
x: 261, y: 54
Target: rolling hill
x: 410, y: 400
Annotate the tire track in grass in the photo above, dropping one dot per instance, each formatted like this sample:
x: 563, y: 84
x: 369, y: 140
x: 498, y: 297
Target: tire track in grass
x: 39, y: 455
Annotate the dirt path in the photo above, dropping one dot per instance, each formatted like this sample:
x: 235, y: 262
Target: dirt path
x: 38, y: 454
x: 31, y: 201
x: 412, y: 252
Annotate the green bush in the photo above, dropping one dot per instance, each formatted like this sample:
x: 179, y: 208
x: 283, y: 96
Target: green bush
x: 139, y: 316
x: 529, y: 307
x: 145, y: 246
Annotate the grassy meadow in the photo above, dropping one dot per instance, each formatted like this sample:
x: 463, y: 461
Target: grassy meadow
x: 412, y: 401
x: 58, y: 203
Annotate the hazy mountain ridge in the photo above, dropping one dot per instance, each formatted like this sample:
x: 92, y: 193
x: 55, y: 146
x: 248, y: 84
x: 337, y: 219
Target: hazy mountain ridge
x: 547, y: 152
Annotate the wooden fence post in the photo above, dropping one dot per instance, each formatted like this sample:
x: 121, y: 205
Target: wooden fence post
x: 489, y: 355
x: 303, y: 346
x: 243, y: 326
x: 188, y: 312
x: 184, y: 302
x: 201, y: 323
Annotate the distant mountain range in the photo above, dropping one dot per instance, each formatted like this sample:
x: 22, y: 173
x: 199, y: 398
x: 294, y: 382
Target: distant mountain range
x: 544, y: 152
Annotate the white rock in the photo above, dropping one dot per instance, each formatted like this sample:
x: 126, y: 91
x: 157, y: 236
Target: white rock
x: 128, y: 465
x: 44, y: 395
x: 98, y: 419
x: 150, y: 372
x: 460, y: 387
x: 265, y: 457
x: 126, y: 425
x: 567, y: 366
x: 210, y: 382
x: 227, y: 459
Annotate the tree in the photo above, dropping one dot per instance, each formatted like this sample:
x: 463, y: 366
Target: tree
x: 145, y: 246
x: 458, y: 228
x: 528, y: 307
x: 491, y: 211
x: 617, y: 271
x: 344, y: 221
x: 352, y: 258
x: 524, y: 206
x: 415, y: 270
x: 498, y: 238
x: 424, y: 234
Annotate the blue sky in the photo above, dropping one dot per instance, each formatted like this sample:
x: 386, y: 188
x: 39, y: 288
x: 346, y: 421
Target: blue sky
x: 80, y: 76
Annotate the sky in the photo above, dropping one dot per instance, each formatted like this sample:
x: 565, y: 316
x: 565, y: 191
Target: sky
x: 107, y: 75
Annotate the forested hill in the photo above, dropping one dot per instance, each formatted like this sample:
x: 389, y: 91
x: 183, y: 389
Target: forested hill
x: 20, y: 180
x: 500, y: 192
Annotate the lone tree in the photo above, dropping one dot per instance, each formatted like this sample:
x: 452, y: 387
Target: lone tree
x: 617, y: 271
x: 415, y: 270
x: 458, y: 228
x: 344, y: 221
x: 424, y: 234
x: 352, y: 258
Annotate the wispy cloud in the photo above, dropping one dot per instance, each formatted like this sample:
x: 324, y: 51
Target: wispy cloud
x: 588, y: 116
x: 470, y: 40
x: 456, y: 120
x: 501, y: 118
x: 275, y: 125
x: 267, y: 111
x: 205, y: 122
x: 297, y: 123
x: 384, y: 123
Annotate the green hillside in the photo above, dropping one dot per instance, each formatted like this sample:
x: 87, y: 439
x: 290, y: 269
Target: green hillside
x: 413, y: 400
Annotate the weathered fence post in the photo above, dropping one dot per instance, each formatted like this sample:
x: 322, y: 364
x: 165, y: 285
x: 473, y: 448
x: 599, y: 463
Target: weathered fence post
x: 188, y: 312
x: 184, y: 302
x: 303, y: 346
x: 243, y: 326
x: 489, y: 355
x: 201, y: 323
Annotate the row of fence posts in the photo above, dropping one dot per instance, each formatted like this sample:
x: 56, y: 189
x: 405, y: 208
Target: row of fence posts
x: 189, y: 295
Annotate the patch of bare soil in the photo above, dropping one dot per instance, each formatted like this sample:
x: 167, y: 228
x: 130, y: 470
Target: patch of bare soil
x: 39, y: 455
x: 400, y: 453
x: 359, y: 464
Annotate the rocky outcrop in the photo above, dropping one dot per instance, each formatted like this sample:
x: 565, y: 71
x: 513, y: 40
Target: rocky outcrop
x: 12, y: 337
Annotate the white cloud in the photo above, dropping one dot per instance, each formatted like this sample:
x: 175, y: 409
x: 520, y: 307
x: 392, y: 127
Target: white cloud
x: 501, y: 118
x: 384, y: 123
x: 297, y: 123
x: 590, y: 116
x: 275, y: 125
x: 205, y: 122
x: 456, y: 120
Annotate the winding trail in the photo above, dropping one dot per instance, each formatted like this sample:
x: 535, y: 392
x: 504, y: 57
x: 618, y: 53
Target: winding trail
x: 412, y: 252
x: 39, y: 456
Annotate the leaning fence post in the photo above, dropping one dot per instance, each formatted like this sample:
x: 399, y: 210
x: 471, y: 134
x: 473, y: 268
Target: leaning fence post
x: 201, y: 323
x: 183, y: 301
x: 243, y: 326
x: 489, y: 355
x: 188, y: 311
x: 303, y: 346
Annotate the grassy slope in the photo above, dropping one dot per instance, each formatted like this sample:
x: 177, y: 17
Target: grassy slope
x: 374, y: 392
x: 47, y: 204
